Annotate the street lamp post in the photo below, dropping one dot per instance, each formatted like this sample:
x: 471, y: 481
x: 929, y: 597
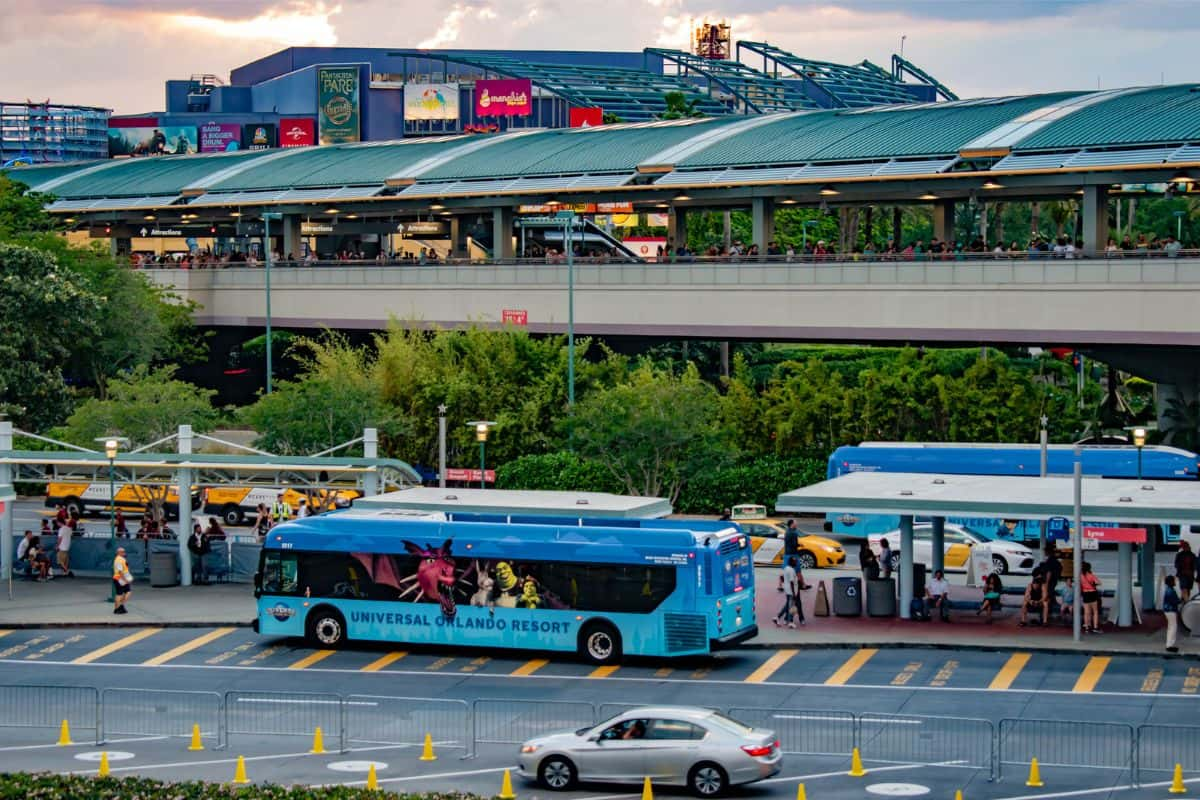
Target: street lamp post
x: 1146, y: 554
x: 442, y: 446
x: 267, y: 217
x: 568, y: 230
x: 482, y: 426
x: 1139, y: 441
x: 112, y: 445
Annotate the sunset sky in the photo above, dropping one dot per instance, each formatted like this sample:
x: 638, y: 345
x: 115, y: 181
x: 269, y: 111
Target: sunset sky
x: 118, y: 53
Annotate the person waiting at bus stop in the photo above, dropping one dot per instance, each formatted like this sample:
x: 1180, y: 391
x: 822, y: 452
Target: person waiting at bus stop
x: 198, y: 545
x: 1036, y: 598
x: 993, y: 589
x: 937, y: 593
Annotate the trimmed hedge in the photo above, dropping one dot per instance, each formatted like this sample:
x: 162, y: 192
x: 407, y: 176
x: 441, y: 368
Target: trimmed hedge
x: 42, y: 786
x: 757, y: 480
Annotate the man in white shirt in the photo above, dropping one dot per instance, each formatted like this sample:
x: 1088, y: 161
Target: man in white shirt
x: 23, y: 546
x: 64, y: 550
x: 937, y: 591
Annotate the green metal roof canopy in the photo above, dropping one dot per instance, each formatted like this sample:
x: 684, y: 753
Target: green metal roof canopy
x: 511, y: 502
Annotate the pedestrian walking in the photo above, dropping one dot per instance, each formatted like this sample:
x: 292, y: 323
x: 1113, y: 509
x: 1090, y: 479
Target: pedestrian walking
x: 789, y: 594
x: 1185, y: 570
x: 800, y: 586
x: 122, y: 582
x: 1170, y: 607
x: 791, y: 546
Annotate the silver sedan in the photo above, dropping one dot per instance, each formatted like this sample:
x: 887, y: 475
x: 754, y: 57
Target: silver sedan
x: 701, y: 749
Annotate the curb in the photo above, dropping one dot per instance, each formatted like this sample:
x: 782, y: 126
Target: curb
x: 979, y: 648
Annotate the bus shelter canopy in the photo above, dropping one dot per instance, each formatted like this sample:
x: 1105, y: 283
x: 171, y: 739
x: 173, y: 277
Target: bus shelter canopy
x: 514, y: 502
x: 1002, y: 497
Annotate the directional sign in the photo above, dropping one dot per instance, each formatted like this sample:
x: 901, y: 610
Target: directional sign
x: 1130, y: 535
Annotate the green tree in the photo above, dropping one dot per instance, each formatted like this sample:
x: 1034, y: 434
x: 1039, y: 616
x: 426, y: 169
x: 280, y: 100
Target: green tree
x: 143, y: 405
x: 336, y: 395
x: 679, y: 106
x: 21, y: 211
x: 653, y: 431
x: 45, y: 312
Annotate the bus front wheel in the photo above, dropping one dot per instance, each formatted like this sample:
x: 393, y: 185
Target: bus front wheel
x: 326, y: 627
x: 600, y: 643
x: 232, y: 515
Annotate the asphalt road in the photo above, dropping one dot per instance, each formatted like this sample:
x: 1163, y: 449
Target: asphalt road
x: 804, y: 689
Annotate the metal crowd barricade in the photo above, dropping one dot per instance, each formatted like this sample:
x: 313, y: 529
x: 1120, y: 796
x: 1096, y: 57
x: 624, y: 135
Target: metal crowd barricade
x: 514, y: 721
x: 1161, y: 747
x: 155, y: 712
x: 285, y: 714
x: 1067, y: 743
x: 609, y: 710
x: 39, y: 706
x: 908, y: 739
x: 804, y: 732
x: 377, y: 720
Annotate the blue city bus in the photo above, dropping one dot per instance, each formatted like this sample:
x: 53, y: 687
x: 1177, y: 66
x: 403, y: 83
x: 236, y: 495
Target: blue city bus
x: 645, y: 587
x: 1105, y: 461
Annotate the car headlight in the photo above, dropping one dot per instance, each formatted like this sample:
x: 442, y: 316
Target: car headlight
x: 529, y: 748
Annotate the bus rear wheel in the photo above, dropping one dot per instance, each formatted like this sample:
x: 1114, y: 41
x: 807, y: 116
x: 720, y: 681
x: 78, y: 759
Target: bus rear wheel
x: 600, y: 643
x: 326, y: 627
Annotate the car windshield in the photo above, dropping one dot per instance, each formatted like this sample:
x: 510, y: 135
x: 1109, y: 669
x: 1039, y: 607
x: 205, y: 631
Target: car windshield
x: 728, y: 724
x: 600, y: 726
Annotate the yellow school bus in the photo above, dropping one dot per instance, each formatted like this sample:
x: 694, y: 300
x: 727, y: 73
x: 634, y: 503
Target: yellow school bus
x: 94, y: 498
x: 237, y: 504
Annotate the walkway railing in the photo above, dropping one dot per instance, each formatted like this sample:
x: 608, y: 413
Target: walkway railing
x: 347, y: 721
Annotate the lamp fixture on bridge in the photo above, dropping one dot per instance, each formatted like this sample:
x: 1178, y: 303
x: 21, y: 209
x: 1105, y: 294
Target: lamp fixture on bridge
x: 331, y: 211
x: 69, y: 220
x: 149, y: 217
x: 788, y: 201
x: 990, y: 184
x: 680, y: 198
x: 828, y: 191
x: 928, y: 196
x: 436, y: 206
x: 352, y: 216
x: 235, y: 214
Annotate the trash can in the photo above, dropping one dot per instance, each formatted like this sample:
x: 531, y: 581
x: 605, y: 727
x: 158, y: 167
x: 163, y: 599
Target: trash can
x: 164, y: 569
x: 881, y: 598
x: 918, y: 579
x: 847, y: 597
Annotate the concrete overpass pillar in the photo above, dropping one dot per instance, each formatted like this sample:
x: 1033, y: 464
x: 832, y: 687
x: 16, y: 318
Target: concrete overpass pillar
x: 943, y: 220
x: 676, y: 228
x: 502, y: 233
x: 7, y: 552
x: 1095, y: 219
x: 292, y: 240
x: 458, y: 239
x: 762, y: 215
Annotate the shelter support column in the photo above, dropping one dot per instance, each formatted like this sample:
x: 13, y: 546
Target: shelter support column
x: 1124, y: 585
x: 371, y: 450
x: 1146, y: 571
x: 458, y: 241
x: 502, y: 233
x: 1095, y: 219
x: 943, y: 221
x: 676, y: 228
x: 183, y: 479
x: 292, y: 239
x: 762, y: 214
x: 938, y: 543
x: 906, y: 566
x: 6, y: 517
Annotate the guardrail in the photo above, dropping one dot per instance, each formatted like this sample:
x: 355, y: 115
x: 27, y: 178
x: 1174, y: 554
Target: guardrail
x: 382, y: 720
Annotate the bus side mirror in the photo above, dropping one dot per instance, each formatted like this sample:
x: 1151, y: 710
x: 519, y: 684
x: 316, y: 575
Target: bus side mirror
x: 257, y: 584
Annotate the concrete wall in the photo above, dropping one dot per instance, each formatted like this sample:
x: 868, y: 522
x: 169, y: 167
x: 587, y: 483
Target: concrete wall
x: 1043, y: 303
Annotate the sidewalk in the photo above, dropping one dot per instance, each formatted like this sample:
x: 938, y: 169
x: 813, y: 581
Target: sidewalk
x: 84, y: 601
x: 965, y: 630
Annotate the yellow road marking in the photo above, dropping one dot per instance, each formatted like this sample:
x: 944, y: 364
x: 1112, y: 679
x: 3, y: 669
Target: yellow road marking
x: 943, y: 675
x: 853, y: 664
x: 1008, y: 673
x: 383, y: 661
x: 441, y: 662
x: 475, y: 664
x: 1091, y: 674
x: 54, y: 648
x: 906, y: 674
x: 663, y: 672
x: 4, y: 633
x: 312, y: 658
x: 1192, y: 682
x: 187, y: 647
x: 1153, y: 680
x: 115, y: 646
x: 530, y: 667
x: 603, y: 672
x: 770, y: 666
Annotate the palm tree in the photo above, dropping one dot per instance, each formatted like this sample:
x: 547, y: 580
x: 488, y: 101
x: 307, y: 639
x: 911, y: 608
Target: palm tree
x: 1184, y: 418
x: 678, y: 106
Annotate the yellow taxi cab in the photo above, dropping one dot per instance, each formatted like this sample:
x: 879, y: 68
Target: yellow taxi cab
x: 766, y: 537
x: 236, y: 504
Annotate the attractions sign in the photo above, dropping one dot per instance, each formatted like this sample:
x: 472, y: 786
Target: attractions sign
x: 509, y: 97
x: 339, y: 110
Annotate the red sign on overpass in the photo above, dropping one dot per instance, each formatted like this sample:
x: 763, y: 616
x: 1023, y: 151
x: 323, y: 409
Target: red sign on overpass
x: 1133, y: 535
x: 516, y: 316
x: 471, y: 475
